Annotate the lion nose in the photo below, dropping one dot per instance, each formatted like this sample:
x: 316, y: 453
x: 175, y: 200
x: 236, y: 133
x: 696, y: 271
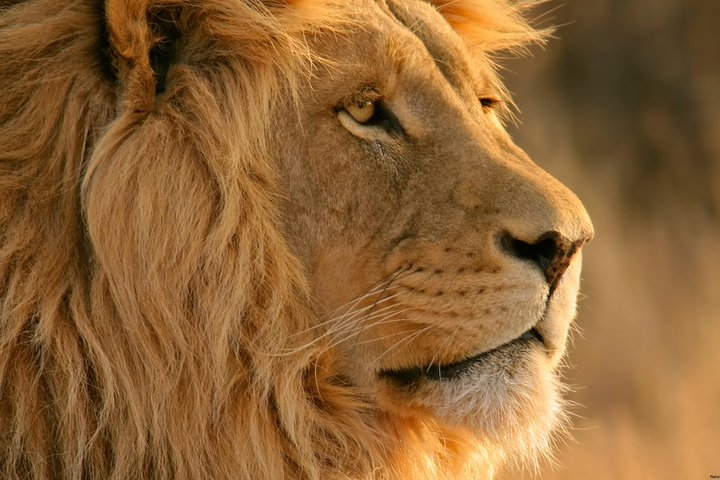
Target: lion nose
x: 551, y: 252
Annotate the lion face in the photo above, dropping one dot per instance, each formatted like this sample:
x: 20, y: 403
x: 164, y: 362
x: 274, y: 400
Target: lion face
x: 444, y: 262
x: 273, y: 239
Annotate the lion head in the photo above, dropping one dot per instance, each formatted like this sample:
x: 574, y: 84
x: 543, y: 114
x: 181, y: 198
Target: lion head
x: 273, y: 239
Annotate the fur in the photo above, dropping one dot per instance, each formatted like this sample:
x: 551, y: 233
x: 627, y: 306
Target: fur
x: 148, y: 296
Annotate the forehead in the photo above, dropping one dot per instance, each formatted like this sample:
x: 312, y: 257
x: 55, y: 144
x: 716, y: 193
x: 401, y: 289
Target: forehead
x: 412, y: 33
x: 435, y: 36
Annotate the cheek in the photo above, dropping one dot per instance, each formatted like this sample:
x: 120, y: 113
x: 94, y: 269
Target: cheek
x: 337, y: 210
x: 336, y: 185
x: 339, y: 274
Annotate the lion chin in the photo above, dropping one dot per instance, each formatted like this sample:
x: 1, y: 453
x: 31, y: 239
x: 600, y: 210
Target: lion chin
x: 274, y: 240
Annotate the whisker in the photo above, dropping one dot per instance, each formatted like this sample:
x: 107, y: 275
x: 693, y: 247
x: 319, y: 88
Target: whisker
x: 385, y: 337
x: 379, y: 300
x: 344, y: 323
x: 383, y: 318
x: 448, y: 339
x: 343, y: 316
x: 405, y: 341
x: 378, y: 288
x: 351, y: 319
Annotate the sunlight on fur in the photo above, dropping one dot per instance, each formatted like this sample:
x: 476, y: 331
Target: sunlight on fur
x: 209, y: 268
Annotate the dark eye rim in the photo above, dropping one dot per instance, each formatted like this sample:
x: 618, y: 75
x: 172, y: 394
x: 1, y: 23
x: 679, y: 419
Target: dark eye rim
x: 490, y: 103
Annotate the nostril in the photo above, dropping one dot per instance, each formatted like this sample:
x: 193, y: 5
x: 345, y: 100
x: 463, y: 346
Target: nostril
x: 551, y: 252
x: 541, y: 253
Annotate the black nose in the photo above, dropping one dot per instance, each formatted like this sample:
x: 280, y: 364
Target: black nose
x: 551, y: 252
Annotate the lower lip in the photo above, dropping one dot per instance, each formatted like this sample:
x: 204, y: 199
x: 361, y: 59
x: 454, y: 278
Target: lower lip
x: 409, y: 376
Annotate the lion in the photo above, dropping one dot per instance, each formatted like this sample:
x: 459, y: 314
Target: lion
x: 274, y: 239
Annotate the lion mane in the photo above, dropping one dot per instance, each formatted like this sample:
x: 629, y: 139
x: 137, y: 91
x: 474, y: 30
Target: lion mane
x: 150, y: 307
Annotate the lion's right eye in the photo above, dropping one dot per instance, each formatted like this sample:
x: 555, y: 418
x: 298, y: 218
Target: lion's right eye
x: 361, y: 112
x: 369, y: 113
x: 360, y: 117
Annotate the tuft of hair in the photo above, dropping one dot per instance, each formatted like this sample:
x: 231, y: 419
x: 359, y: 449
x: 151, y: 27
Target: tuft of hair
x: 491, y: 28
x: 147, y: 297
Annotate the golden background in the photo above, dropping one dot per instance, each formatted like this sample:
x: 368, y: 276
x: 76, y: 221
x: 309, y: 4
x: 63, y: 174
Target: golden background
x: 624, y: 107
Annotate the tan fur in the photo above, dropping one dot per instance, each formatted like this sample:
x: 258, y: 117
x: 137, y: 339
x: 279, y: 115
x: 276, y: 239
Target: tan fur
x: 181, y: 264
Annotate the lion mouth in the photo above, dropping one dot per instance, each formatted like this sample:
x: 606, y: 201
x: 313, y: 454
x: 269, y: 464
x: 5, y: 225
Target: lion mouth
x: 455, y: 370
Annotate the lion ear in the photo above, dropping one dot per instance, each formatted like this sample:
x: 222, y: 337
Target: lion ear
x: 144, y: 43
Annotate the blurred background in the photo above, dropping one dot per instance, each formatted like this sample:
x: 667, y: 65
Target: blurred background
x: 624, y: 108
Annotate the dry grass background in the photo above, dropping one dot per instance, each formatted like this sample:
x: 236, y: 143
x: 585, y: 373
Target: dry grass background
x: 625, y: 109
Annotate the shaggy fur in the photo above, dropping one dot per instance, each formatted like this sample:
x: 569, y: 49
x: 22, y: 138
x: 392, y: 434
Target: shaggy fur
x: 148, y: 295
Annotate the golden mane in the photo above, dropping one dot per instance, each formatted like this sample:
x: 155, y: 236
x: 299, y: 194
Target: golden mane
x: 148, y: 301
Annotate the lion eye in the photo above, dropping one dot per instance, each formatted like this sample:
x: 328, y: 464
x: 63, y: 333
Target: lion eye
x: 489, y: 103
x: 361, y: 112
x: 365, y: 117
